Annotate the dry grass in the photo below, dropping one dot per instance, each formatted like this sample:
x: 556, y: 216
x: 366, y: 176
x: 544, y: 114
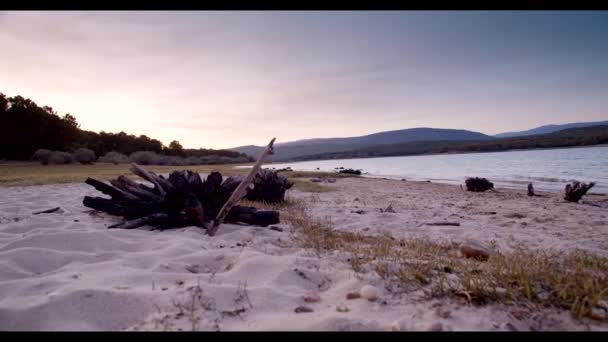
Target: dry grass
x: 23, y: 174
x: 308, y: 186
x: 576, y: 281
x: 29, y: 173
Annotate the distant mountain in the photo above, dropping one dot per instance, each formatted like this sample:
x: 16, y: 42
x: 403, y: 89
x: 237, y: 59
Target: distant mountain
x: 549, y: 129
x: 295, y: 149
x: 578, y: 136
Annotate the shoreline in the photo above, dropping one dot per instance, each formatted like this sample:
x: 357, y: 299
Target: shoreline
x: 68, y: 262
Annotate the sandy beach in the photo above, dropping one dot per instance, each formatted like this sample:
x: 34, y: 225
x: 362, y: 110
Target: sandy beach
x: 66, y: 271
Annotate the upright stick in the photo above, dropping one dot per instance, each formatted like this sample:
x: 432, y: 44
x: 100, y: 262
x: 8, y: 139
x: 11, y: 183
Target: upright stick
x: 241, y: 190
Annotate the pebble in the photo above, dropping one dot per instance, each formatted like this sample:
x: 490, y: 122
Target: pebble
x: 598, y: 314
x: 353, y: 295
x: 443, y: 313
x: 474, y: 251
x: 311, y: 297
x: 342, y: 308
x: 302, y: 309
x: 435, y: 327
x: 369, y: 292
x: 395, y: 326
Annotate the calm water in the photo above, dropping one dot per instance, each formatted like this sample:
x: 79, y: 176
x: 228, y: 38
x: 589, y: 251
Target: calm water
x: 547, y: 169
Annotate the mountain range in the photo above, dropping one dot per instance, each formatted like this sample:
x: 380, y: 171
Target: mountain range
x: 549, y: 129
x: 326, y: 147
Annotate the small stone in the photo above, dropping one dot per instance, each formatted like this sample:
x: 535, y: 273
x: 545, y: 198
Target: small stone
x: 342, y: 308
x: 302, y: 309
x: 598, y: 314
x: 164, y: 288
x: 395, y: 326
x: 369, y: 292
x: 275, y: 228
x: 311, y: 297
x: 192, y: 268
x: 519, y: 314
x: 435, y: 327
x: 353, y: 295
x: 443, y: 313
x: 475, y: 252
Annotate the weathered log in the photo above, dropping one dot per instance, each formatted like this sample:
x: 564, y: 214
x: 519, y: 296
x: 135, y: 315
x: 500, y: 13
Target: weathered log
x: 240, y: 190
x: 530, y: 190
x: 269, y: 186
x: 576, y: 190
x: 253, y: 216
x: 477, y: 184
x: 160, y: 184
x: 139, y: 190
x: 115, y: 193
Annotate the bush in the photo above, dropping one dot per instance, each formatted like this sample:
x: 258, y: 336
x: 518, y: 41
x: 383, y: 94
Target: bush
x: 146, y: 158
x: 58, y: 157
x: 114, y: 158
x: 42, y: 156
x: 84, y: 156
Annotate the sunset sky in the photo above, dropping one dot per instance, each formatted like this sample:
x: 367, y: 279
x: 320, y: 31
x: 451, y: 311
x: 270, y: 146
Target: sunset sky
x: 224, y: 79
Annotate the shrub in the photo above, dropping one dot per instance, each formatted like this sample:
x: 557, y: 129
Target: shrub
x: 84, y: 156
x: 58, y: 157
x: 114, y: 158
x: 42, y: 156
x: 146, y: 158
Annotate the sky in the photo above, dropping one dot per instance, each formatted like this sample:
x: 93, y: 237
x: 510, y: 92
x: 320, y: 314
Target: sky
x: 226, y: 79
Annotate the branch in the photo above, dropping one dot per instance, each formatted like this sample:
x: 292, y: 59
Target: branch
x: 241, y: 190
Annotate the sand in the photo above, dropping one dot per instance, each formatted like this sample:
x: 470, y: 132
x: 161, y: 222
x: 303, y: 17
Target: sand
x: 67, y: 271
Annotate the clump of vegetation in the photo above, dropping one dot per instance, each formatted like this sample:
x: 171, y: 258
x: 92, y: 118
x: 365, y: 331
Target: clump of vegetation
x: 308, y: 186
x: 145, y: 158
x: 114, y: 158
x: 84, y: 156
x: 59, y: 157
x: 577, y: 281
x: 43, y: 156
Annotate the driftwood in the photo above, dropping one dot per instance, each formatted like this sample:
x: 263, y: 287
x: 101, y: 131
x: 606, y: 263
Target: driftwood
x: 476, y: 184
x: 576, y: 190
x: 47, y: 211
x: 350, y: 171
x: 241, y: 190
x: 530, y: 190
x: 184, y: 199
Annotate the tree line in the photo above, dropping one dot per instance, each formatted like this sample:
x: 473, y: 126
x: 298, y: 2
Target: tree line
x: 26, y: 127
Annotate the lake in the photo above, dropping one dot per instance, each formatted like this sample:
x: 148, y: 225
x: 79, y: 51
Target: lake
x: 548, y: 169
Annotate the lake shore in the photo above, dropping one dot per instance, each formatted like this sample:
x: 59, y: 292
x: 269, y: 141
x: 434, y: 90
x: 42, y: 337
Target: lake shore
x: 67, y: 271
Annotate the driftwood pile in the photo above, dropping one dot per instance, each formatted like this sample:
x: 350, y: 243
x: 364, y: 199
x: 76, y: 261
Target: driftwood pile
x: 477, y: 184
x: 576, y: 190
x: 184, y: 199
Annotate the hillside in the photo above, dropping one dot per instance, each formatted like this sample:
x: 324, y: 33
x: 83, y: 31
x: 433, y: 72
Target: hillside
x: 579, y: 136
x: 300, y: 148
x: 549, y: 129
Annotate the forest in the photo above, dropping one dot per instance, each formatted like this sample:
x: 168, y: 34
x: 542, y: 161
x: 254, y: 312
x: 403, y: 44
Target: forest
x: 26, y: 127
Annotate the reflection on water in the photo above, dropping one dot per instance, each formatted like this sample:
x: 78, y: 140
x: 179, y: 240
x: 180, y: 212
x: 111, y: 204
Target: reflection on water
x: 547, y: 169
